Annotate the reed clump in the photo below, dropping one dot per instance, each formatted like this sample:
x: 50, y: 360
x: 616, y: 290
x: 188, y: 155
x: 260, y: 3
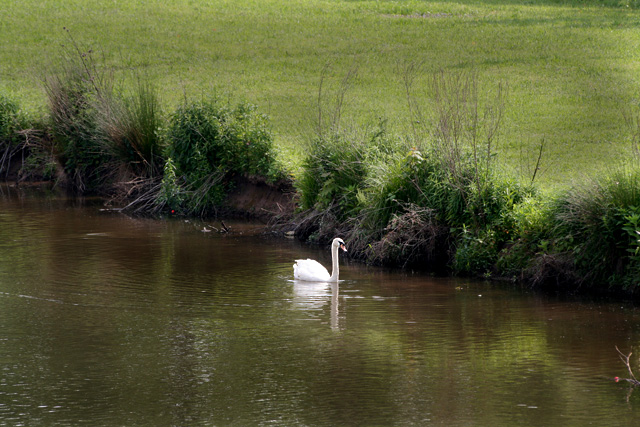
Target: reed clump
x: 129, y: 129
x: 597, y: 224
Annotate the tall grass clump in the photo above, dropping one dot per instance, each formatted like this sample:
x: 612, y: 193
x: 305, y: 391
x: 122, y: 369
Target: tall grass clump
x: 74, y: 88
x: 597, y: 230
x: 210, y: 145
x: 129, y: 126
x: 103, y: 135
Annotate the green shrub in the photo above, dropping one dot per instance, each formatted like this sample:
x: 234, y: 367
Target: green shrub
x: 631, y: 226
x: 476, y: 252
x: 418, y: 189
x: 334, y: 172
x: 16, y: 129
x: 339, y: 166
x: 531, y: 218
x: 208, y: 144
x: 464, y: 200
x: 9, y: 120
x: 528, y: 235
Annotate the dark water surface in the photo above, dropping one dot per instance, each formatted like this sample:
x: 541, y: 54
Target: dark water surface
x: 109, y: 320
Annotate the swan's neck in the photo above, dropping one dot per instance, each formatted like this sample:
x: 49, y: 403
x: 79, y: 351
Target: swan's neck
x: 335, y: 270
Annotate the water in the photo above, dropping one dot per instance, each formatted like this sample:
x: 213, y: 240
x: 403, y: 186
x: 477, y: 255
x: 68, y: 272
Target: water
x: 109, y: 320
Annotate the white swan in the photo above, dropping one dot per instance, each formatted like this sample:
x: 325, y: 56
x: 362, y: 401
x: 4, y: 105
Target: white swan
x: 312, y: 271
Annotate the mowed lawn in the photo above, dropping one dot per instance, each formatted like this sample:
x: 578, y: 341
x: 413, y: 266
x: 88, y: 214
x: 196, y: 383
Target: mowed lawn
x: 572, y: 71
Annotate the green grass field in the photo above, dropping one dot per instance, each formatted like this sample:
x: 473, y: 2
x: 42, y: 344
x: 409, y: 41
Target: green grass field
x: 572, y: 70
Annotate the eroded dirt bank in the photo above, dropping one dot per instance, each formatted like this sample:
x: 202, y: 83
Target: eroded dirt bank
x: 255, y: 198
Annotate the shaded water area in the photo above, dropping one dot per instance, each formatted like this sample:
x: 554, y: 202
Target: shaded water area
x: 111, y: 320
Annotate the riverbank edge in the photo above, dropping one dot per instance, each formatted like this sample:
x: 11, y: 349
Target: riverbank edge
x: 276, y: 207
x: 417, y: 215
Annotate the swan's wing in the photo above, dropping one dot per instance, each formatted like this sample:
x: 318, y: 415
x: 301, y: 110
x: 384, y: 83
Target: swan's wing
x: 310, y: 270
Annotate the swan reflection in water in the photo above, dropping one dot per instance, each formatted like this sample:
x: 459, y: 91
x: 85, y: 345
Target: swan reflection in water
x: 313, y: 296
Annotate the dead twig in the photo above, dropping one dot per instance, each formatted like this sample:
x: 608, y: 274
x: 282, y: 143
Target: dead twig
x: 625, y: 359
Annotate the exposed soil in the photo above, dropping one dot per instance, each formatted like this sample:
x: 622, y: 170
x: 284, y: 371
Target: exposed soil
x: 253, y: 197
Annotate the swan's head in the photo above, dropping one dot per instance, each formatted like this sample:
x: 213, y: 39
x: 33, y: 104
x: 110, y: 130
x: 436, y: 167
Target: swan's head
x: 339, y: 243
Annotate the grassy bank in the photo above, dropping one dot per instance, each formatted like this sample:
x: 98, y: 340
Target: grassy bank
x: 571, y: 67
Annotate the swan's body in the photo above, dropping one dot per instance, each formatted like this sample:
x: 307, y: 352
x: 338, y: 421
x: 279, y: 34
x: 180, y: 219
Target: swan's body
x: 312, y: 271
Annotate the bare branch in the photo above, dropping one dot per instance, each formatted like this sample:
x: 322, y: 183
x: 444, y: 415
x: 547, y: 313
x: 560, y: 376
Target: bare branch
x: 625, y: 360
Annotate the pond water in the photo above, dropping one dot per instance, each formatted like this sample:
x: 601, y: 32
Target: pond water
x: 111, y: 320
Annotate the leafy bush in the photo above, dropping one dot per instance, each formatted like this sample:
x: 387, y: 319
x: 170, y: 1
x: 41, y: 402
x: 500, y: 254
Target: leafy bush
x: 529, y: 234
x: 476, y: 253
x: 531, y: 217
x: 465, y: 200
x: 208, y: 144
x: 338, y: 166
